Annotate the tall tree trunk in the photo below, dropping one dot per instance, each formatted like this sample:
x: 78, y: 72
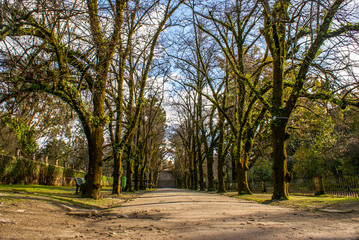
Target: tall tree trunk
x: 195, y: 177
x: 221, y: 156
x: 117, y: 173
x: 93, y: 177
x: 210, y: 176
x: 275, y: 37
x: 242, y: 180
x: 150, y: 180
x: 129, y: 186
x: 201, y: 177
x: 129, y: 171
x: 142, y: 179
x: 188, y: 181
x: 117, y: 166
x: 136, y: 176
x: 281, y: 175
x: 143, y: 171
x: 191, y: 174
x: 234, y: 166
x: 242, y: 170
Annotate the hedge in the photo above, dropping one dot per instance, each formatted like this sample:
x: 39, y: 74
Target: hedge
x: 23, y: 171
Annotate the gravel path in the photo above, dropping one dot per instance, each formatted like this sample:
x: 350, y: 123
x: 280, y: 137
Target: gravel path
x: 178, y: 214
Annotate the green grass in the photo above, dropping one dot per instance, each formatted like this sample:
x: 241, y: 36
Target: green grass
x: 306, y: 202
x: 64, y: 195
x: 10, y: 200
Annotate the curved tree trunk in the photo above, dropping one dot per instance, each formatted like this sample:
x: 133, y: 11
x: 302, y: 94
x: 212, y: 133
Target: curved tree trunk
x: 242, y: 180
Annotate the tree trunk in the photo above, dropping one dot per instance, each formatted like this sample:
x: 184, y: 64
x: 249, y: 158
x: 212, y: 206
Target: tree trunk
x: 221, y: 157
x: 117, y: 173
x: 210, y: 177
x: 136, y: 177
x: 201, y: 177
x: 234, y: 168
x: 150, y: 180
x: 264, y: 187
x: 93, y: 177
x: 242, y: 181
x: 281, y: 175
x: 142, y: 179
x: 129, y: 186
x: 195, y: 177
x: 242, y: 170
x: 319, y: 185
x: 221, y: 174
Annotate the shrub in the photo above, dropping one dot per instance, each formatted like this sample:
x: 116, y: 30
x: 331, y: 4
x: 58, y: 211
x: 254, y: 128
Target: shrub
x: 23, y: 171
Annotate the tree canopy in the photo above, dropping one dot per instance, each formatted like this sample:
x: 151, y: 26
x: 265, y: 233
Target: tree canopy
x: 246, y: 84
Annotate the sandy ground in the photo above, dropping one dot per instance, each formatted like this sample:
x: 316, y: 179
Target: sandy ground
x: 173, y: 214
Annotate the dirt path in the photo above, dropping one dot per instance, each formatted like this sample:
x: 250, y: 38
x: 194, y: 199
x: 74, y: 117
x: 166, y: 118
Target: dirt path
x: 174, y: 214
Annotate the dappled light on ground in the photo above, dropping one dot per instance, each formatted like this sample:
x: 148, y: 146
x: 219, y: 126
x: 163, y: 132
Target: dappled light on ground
x: 170, y: 214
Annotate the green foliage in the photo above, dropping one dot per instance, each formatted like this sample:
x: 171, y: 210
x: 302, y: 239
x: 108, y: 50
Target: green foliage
x: 18, y: 171
x: 325, y: 141
x: 57, y: 150
x: 54, y: 175
x: 106, y: 181
x: 23, y: 171
x: 7, y: 164
x: 24, y: 133
x: 262, y: 170
x: 312, y: 144
x: 43, y: 172
x: 310, y: 162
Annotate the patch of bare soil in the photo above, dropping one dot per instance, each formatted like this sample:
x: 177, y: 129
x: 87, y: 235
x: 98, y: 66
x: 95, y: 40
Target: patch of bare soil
x: 172, y: 214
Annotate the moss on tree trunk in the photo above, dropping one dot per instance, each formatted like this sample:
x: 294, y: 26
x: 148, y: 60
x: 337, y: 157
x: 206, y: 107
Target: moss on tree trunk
x: 279, y: 160
x: 93, y: 177
x: 210, y: 177
x: 242, y: 182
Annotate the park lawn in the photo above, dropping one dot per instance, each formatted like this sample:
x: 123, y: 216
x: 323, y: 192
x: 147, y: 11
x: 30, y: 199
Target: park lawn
x: 64, y: 194
x: 300, y: 201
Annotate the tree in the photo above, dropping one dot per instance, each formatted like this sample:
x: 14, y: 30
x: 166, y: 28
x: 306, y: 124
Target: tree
x: 24, y: 134
x: 136, y: 51
x: 322, y: 140
x: 66, y: 49
x: 64, y: 58
x: 298, y: 35
x: 233, y: 26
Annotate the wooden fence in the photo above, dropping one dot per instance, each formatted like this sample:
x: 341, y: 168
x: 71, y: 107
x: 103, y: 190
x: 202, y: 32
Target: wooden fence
x: 346, y: 186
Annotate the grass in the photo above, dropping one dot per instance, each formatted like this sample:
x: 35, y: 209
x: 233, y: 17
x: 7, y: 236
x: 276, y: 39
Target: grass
x: 16, y: 193
x: 305, y: 202
x: 63, y: 194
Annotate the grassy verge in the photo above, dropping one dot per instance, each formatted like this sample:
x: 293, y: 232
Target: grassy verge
x: 304, y: 202
x: 63, y: 194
